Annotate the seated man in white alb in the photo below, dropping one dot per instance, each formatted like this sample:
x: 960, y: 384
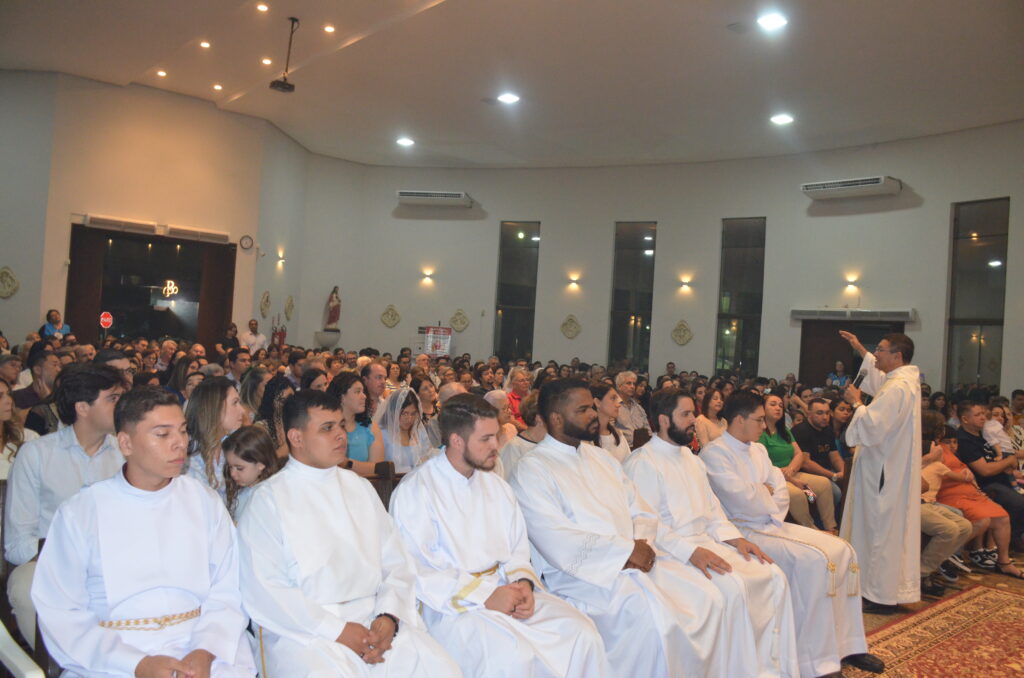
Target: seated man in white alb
x: 598, y: 544
x: 325, y: 575
x: 481, y: 598
x: 821, y: 568
x: 139, y: 574
x: 53, y: 468
x: 672, y: 480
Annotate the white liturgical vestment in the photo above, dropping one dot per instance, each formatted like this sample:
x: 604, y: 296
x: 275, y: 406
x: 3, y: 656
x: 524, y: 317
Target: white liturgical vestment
x: 468, y: 537
x: 512, y: 452
x: 318, y: 550
x: 116, y: 554
x: 882, y: 516
x: 822, y: 569
x: 583, y: 514
x: 674, y: 482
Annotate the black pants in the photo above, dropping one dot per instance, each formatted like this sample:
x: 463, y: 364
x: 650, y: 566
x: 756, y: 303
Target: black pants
x: 1013, y: 502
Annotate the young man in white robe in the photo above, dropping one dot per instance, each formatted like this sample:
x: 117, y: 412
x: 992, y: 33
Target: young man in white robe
x: 481, y: 598
x: 139, y: 574
x: 325, y: 575
x: 821, y: 568
x: 673, y: 481
x: 600, y: 546
x: 882, y: 516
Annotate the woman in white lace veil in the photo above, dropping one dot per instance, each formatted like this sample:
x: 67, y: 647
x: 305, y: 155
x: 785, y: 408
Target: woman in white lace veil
x: 405, y: 437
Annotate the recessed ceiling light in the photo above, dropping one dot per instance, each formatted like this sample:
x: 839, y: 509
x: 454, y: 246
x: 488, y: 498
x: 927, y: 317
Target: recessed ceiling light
x: 218, y: 87
x: 404, y: 141
x: 205, y: 44
x: 995, y: 263
x: 648, y: 237
x: 649, y: 253
x: 535, y: 238
x: 772, y: 21
x: 262, y: 7
x: 162, y: 74
x: 508, y: 98
x: 328, y: 28
x: 266, y: 61
x: 782, y: 119
x: 521, y: 235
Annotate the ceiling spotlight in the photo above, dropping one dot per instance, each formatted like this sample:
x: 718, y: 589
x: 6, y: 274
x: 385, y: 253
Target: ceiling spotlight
x: 328, y: 28
x: 218, y: 87
x: 535, y: 238
x: 205, y: 44
x: 782, y: 119
x: 404, y: 141
x: 649, y: 253
x: 521, y: 235
x: 262, y: 7
x: 648, y: 237
x: 266, y: 61
x: 772, y: 22
x: 162, y: 74
x: 995, y: 263
x: 508, y: 98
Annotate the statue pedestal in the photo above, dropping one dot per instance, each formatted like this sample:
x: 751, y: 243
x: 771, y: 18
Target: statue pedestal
x: 327, y: 338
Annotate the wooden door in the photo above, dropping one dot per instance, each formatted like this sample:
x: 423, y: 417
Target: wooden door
x: 821, y: 346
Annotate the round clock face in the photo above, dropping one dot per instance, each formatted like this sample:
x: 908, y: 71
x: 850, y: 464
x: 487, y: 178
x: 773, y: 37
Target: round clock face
x: 245, y: 242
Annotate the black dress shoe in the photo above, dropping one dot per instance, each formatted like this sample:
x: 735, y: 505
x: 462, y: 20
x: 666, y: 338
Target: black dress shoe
x: 836, y: 674
x: 929, y: 587
x: 871, y: 607
x: 865, y: 662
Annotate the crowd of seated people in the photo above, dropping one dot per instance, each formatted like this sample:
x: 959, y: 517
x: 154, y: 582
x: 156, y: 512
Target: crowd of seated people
x: 236, y: 410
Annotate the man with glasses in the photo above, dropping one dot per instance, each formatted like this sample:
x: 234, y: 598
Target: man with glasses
x: 882, y: 516
x: 119, y: 362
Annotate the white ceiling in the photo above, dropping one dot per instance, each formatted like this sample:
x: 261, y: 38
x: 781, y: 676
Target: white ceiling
x: 604, y: 82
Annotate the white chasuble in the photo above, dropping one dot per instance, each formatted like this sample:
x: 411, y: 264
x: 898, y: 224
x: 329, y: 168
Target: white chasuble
x: 821, y: 568
x: 882, y: 516
x: 119, y: 560
x: 674, y: 482
x: 467, y: 537
x: 318, y: 550
x: 582, y: 514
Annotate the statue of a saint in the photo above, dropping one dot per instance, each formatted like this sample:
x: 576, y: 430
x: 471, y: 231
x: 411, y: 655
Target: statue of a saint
x: 332, y: 311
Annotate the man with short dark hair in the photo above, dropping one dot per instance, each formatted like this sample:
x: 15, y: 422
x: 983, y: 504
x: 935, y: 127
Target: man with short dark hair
x: 817, y: 439
x: 480, y: 596
x: 374, y: 376
x: 252, y: 338
x: 822, y: 569
x: 139, y: 574
x: 53, y: 468
x: 44, y: 366
x: 296, y: 366
x: 119, y: 362
x: 674, y: 482
x: 54, y: 325
x: 598, y: 544
x: 325, y: 576
x: 239, y: 360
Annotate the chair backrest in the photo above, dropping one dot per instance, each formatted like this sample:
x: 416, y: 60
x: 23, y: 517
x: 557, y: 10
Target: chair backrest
x: 384, y: 481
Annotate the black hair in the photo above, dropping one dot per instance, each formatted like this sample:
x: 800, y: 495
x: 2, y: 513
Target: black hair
x: 340, y: 385
x: 235, y: 352
x: 554, y: 393
x: 664, y: 401
x: 82, y: 383
x: 460, y: 413
x: 134, y: 405
x: 741, y: 404
x: 106, y: 355
x: 816, y: 401
x: 309, y: 376
x: 903, y: 344
x: 296, y: 409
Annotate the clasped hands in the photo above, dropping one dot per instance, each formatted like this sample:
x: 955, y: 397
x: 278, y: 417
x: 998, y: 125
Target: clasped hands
x: 642, y: 558
x: 369, y: 643
x: 195, y: 664
x: 514, y: 599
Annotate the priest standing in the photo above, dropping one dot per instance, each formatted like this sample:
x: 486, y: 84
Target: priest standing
x: 324, y: 573
x: 674, y: 481
x: 481, y: 598
x: 599, y: 545
x: 882, y: 516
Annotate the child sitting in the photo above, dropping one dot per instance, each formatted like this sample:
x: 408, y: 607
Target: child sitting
x: 250, y: 457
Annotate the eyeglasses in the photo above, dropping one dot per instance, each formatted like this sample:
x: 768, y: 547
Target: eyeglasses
x: 759, y: 420
x: 884, y: 350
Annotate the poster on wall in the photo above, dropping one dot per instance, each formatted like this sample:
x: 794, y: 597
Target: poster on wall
x: 437, y: 341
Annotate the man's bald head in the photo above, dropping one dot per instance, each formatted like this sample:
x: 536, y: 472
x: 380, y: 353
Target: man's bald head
x: 448, y: 390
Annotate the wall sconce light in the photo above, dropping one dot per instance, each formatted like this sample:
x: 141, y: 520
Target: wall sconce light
x: 684, y: 283
x: 280, y: 258
x: 428, y: 276
x: 851, y: 282
x: 574, y: 281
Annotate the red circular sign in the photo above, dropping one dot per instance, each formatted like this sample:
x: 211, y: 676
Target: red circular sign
x: 106, y: 320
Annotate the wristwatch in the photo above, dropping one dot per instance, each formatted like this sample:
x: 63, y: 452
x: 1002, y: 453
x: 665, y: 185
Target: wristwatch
x: 835, y: 477
x: 858, y: 404
x: 348, y: 464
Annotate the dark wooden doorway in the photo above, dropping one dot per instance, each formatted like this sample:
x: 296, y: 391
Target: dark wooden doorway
x: 821, y: 346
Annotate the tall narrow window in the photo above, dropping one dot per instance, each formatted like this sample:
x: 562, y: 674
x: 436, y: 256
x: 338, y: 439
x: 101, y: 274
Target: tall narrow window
x: 629, y: 339
x: 517, y: 289
x: 978, y: 292
x: 740, y: 289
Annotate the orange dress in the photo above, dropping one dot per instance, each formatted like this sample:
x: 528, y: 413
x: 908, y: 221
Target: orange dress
x: 964, y: 495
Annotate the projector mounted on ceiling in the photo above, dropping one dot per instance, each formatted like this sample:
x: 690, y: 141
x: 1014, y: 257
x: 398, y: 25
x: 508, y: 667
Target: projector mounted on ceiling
x: 283, y: 85
x: 852, y: 188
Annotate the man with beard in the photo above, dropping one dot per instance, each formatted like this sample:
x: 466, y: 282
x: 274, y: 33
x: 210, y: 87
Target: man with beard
x: 674, y: 481
x: 479, y: 595
x: 601, y: 546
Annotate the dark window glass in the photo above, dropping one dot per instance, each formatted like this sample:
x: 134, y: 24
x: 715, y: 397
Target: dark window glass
x: 741, y: 285
x: 629, y: 339
x: 518, y: 250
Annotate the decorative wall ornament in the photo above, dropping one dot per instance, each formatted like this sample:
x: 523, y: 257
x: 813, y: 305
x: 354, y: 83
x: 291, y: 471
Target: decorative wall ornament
x: 390, y: 316
x: 8, y: 283
x: 265, y: 304
x: 682, y: 334
x: 571, y: 327
x: 289, y: 307
x: 459, y: 321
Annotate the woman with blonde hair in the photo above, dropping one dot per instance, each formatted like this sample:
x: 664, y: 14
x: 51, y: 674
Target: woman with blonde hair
x: 214, y: 411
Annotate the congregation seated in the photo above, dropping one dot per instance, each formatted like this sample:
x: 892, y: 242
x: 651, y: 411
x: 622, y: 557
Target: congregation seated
x: 365, y: 444
x: 817, y: 440
x: 405, y: 437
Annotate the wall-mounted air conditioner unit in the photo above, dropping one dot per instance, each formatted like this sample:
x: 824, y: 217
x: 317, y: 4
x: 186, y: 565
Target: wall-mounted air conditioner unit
x: 905, y: 315
x: 435, y: 198
x: 852, y: 188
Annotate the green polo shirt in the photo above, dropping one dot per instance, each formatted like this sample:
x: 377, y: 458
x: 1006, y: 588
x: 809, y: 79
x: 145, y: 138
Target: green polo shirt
x: 780, y: 450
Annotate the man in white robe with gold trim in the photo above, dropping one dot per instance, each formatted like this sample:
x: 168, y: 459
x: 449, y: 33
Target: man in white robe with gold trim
x: 139, y: 573
x: 325, y: 575
x: 821, y: 568
x: 600, y: 546
x: 673, y: 481
x: 480, y: 596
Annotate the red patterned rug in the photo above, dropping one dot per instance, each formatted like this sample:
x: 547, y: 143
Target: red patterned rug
x: 978, y: 632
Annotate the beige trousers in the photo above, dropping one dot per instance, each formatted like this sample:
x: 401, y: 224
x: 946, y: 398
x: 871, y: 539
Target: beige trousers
x: 801, y: 510
x: 19, y: 587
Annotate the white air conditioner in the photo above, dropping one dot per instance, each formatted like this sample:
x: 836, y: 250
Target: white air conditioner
x: 201, y: 235
x: 907, y: 315
x: 852, y: 188
x: 435, y: 198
